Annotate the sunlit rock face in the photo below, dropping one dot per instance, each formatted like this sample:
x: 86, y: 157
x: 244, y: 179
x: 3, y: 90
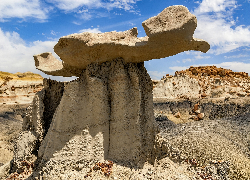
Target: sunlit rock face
x: 106, y: 114
x: 203, y: 82
x: 168, y: 33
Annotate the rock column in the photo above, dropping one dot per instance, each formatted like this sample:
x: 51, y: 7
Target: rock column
x: 106, y: 114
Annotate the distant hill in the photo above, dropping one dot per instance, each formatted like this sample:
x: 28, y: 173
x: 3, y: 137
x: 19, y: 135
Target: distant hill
x: 19, y: 87
x: 212, y: 72
x: 20, y: 76
x: 201, y: 82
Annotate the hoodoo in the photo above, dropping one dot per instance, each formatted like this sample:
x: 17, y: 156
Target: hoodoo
x: 107, y: 113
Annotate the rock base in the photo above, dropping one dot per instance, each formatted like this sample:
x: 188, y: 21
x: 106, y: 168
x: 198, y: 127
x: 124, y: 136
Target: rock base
x: 106, y: 114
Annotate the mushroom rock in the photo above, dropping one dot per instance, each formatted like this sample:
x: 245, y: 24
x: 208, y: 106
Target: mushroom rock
x: 168, y: 33
x: 107, y: 113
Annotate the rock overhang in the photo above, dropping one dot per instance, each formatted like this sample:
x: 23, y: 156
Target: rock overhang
x: 168, y: 33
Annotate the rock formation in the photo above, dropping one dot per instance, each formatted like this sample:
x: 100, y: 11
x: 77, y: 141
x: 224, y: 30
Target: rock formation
x: 19, y: 87
x: 168, y: 33
x: 203, y: 82
x: 93, y: 120
x: 107, y: 113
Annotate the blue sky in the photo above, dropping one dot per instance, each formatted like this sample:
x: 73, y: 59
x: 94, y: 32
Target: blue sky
x: 29, y: 27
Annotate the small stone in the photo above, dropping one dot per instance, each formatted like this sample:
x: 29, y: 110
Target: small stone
x: 177, y: 115
x: 192, y: 117
x: 198, y: 111
x: 203, y: 95
x: 196, y: 118
x: 200, y: 116
x: 196, y: 106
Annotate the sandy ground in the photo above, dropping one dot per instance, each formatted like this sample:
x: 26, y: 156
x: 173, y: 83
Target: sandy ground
x: 195, y: 150
x: 10, y: 126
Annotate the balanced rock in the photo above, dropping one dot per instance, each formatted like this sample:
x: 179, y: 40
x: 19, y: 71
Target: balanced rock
x: 107, y: 113
x: 168, y: 33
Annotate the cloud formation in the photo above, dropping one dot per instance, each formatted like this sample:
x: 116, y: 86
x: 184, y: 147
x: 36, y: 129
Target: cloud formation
x: 16, y: 55
x: 94, y: 30
x: 156, y: 75
x: 69, y: 5
x: 40, y: 10
x: 217, y: 26
x: 22, y: 9
x: 215, y: 6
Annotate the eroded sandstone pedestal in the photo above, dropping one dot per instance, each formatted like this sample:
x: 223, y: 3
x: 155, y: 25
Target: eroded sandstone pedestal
x: 107, y: 113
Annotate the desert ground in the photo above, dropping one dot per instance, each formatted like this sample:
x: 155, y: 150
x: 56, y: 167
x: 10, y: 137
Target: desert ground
x: 201, y: 137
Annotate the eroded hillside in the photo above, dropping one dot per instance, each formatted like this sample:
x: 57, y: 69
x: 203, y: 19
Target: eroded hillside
x: 19, y: 88
x: 201, y: 82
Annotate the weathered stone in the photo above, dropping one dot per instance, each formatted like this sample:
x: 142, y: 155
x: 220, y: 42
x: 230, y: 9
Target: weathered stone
x: 177, y: 115
x: 24, y: 150
x: 169, y: 33
x: 19, y: 88
x: 196, y: 106
x: 107, y: 113
x: 201, y: 82
x: 203, y: 95
x: 200, y: 116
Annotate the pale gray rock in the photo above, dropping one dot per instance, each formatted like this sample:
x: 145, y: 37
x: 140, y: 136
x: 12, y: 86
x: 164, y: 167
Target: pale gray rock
x: 105, y: 114
x: 168, y: 33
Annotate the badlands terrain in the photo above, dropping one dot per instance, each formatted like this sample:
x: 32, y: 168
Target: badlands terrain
x: 19, y: 88
x: 16, y: 93
x: 202, y: 117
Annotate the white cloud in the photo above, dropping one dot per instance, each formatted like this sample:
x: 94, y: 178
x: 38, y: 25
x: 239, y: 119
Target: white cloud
x: 215, y: 25
x: 121, y: 4
x: 76, y: 23
x: 236, y: 56
x: 156, y: 74
x: 201, y: 57
x: 215, y: 5
x: 186, y: 60
x: 86, y: 16
x: 94, y: 30
x: 16, y: 55
x: 235, y: 66
x: 196, y: 55
x: 22, y: 9
x: 39, y: 10
x: 178, y: 68
x: 69, y: 5
x: 53, y: 33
